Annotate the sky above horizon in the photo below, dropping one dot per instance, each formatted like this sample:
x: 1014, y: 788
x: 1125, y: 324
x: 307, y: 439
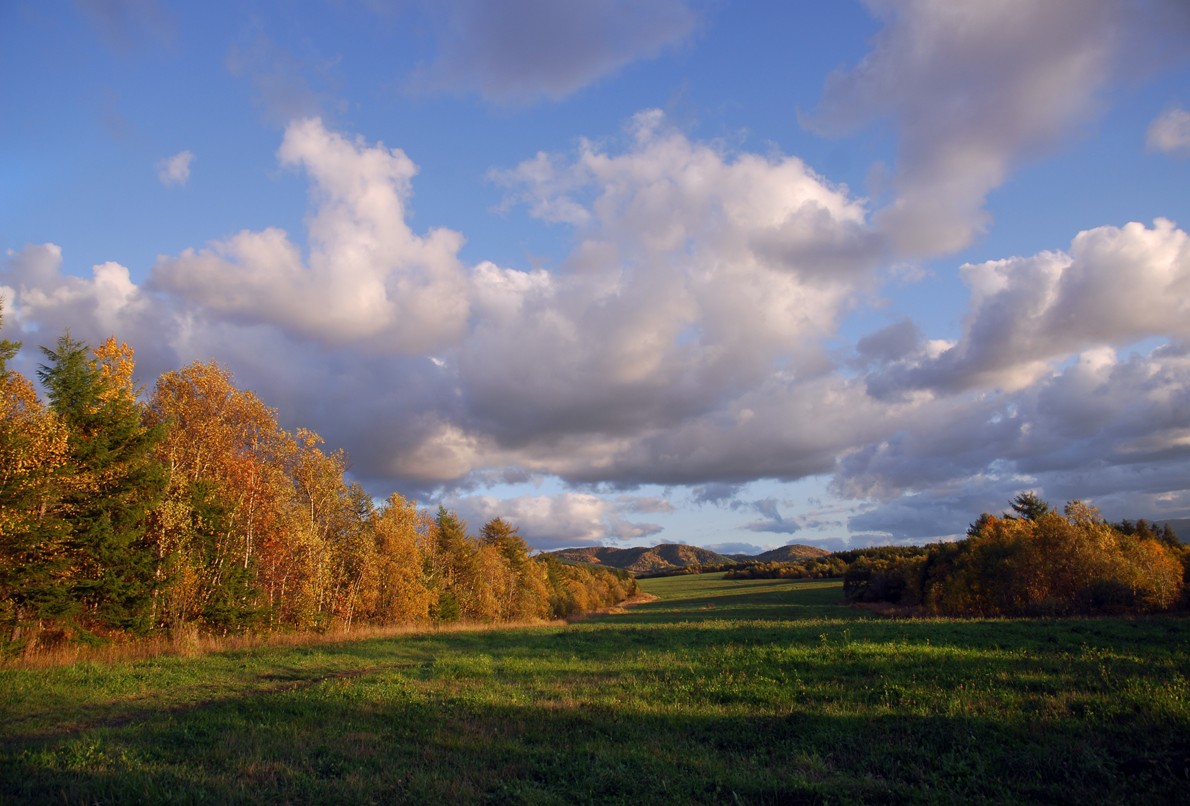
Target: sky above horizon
x: 623, y: 272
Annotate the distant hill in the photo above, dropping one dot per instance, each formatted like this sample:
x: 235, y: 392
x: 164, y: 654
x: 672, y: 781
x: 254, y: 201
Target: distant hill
x: 1180, y: 526
x: 784, y: 554
x: 644, y: 560
x: 669, y: 556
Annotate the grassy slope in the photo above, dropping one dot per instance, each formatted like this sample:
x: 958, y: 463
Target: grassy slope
x: 761, y: 691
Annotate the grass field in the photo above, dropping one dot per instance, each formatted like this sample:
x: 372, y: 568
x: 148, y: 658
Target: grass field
x: 720, y: 691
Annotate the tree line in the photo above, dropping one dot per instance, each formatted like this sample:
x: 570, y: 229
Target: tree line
x: 1032, y: 561
x: 1035, y: 562
x: 831, y: 566
x: 122, y: 514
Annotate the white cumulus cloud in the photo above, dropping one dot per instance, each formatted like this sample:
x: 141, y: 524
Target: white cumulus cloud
x: 1116, y: 286
x: 368, y: 279
x: 975, y: 89
x: 175, y: 170
x: 680, y: 343
x: 1171, y: 132
x: 565, y: 520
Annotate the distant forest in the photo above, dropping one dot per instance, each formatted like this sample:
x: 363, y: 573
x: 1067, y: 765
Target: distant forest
x: 1034, y: 561
x: 1031, y: 561
x: 123, y: 514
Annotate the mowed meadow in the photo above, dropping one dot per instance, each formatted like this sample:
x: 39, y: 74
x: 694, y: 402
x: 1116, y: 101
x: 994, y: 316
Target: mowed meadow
x: 753, y: 691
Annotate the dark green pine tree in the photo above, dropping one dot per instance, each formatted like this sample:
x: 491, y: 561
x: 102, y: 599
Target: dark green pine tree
x: 34, y: 553
x: 111, y: 483
x: 456, y: 566
x: 505, y: 538
x: 1029, y: 506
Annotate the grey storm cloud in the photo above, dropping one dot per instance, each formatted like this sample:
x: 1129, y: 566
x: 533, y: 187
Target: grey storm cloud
x: 520, y: 51
x: 718, y: 493
x: 772, y: 520
x: 1103, y: 427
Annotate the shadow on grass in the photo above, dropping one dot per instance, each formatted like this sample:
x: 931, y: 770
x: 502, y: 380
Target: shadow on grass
x: 355, y: 747
x: 739, y: 600
x: 748, y: 693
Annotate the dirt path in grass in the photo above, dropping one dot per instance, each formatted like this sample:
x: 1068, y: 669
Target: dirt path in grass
x: 622, y: 607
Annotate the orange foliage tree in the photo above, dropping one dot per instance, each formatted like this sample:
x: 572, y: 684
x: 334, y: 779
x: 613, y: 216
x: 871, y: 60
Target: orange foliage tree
x: 1043, y: 564
x: 34, y: 556
x: 228, y: 498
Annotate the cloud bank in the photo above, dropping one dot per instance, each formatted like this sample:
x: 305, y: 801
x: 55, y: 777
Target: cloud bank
x: 690, y: 336
x: 680, y: 343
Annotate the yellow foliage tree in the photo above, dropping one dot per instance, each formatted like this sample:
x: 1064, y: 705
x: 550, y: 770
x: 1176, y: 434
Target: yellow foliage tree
x: 223, y: 494
x: 404, y: 596
x: 1053, y: 564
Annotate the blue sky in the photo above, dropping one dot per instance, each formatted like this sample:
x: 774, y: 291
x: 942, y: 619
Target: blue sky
x: 727, y: 273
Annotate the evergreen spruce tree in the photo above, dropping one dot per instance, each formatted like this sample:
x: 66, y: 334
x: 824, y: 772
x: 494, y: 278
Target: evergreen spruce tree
x: 455, y: 556
x: 1028, y: 505
x: 528, y: 597
x: 111, y: 483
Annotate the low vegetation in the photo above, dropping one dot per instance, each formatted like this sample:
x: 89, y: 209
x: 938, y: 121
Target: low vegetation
x: 764, y: 691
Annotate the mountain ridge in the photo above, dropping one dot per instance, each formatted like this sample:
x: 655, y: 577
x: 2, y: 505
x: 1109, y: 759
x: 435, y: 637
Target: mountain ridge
x: 671, y: 556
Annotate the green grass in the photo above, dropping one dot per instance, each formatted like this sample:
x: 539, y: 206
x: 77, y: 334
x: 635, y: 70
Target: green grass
x: 762, y: 691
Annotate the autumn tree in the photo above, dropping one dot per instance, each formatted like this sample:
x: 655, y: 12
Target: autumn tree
x: 225, y: 510
x: 1047, y: 564
x: 34, y: 557
x: 317, y: 486
x: 198, y: 508
x: 575, y: 588
x: 494, y: 588
x: 403, y: 593
x: 527, y: 596
x: 354, y: 568
x: 290, y: 527
x: 223, y: 594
